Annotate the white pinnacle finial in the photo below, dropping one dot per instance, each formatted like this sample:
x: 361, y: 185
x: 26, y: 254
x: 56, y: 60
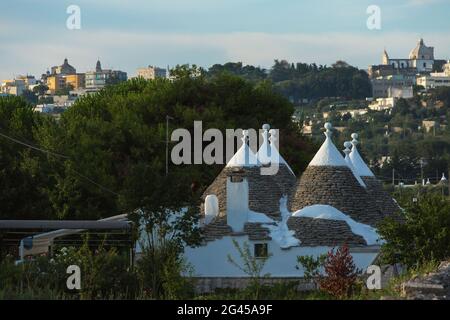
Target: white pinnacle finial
x: 244, y: 136
x: 355, y: 137
x: 428, y: 181
x: 273, y: 136
x: 265, y: 133
x: 347, y: 145
x: 328, y: 126
x: 443, y: 177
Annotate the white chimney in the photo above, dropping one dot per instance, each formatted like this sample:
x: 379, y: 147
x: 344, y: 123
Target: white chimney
x: 237, y: 202
x: 211, y: 208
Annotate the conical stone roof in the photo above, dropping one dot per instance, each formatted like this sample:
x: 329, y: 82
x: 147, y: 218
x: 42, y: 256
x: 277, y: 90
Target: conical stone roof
x: 265, y: 191
x: 374, y: 187
x: 360, y: 166
x: 244, y: 157
x: 268, y: 152
x: 347, y: 159
x: 328, y: 180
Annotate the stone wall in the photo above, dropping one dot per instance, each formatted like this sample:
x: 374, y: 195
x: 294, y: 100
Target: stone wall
x: 209, y: 285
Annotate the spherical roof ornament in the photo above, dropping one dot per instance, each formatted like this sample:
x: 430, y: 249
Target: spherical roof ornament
x: 348, y: 145
x: 328, y: 127
x: 355, y: 137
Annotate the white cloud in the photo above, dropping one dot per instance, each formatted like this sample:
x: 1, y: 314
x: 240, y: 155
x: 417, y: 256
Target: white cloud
x: 422, y: 2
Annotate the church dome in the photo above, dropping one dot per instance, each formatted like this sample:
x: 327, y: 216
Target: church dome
x: 421, y: 51
x: 65, y: 68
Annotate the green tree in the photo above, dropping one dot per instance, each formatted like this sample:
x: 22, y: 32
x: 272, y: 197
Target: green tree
x: 30, y: 97
x: 23, y: 171
x: 423, y: 236
x: 40, y: 89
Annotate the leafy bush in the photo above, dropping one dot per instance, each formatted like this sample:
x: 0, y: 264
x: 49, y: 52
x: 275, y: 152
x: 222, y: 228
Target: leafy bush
x: 311, y: 265
x: 105, y: 274
x: 424, y: 235
x: 162, y: 270
x: 341, y: 273
x: 252, y: 266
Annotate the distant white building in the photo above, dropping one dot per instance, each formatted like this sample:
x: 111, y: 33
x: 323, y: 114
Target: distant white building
x: 396, y: 77
x: 394, y: 86
x: 98, y: 79
x: 352, y: 112
x: 437, y: 79
x: 420, y: 58
x: 151, y: 72
x: 382, y: 104
x: 13, y: 87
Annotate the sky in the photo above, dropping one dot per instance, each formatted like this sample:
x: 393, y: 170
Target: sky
x: 126, y: 35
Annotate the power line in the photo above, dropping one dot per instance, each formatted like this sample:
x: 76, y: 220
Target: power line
x: 33, y: 147
x: 59, y: 156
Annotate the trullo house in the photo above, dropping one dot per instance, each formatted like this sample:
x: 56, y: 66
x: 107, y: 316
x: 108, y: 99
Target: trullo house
x: 336, y: 201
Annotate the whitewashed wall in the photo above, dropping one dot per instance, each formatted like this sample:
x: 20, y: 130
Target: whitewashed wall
x: 212, y: 261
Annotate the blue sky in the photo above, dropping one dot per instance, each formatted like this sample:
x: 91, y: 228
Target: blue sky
x: 135, y: 33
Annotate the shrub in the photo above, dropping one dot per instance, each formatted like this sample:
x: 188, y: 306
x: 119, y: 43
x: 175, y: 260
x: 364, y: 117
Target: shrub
x: 163, y: 271
x: 252, y: 266
x: 311, y: 265
x: 341, y: 273
x: 424, y: 235
x: 105, y: 274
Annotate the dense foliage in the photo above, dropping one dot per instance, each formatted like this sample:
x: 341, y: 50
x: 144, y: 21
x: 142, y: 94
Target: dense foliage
x: 298, y: 81
x: 424, y: 235
x: 108, y: 150
x: 105, y: 274
x: 23, y: 175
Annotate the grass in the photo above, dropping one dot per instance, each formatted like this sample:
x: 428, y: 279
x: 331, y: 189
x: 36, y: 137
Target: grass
x: 278, y: 291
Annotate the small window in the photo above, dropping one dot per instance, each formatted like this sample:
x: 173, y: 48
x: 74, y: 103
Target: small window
x: 261, y: 250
